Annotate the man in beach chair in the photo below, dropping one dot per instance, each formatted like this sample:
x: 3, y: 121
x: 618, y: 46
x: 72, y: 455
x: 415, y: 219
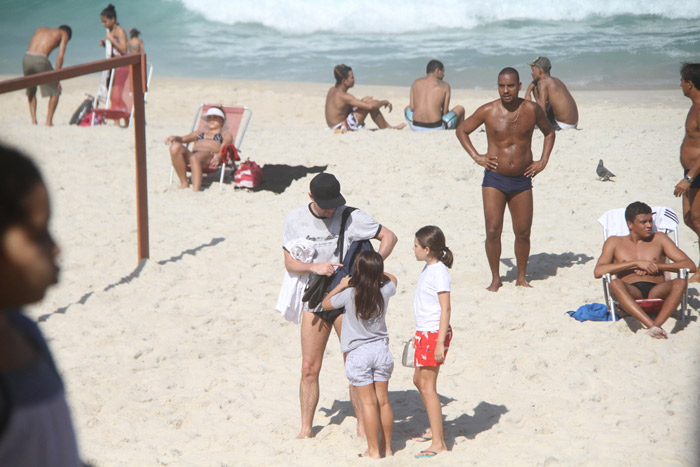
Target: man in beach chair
x: 638, y: 260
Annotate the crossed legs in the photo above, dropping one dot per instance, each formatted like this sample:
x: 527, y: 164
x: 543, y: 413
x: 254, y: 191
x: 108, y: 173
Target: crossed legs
x: 520, y: 206
x: 671, y: 291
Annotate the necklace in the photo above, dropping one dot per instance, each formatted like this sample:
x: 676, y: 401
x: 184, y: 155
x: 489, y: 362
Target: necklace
x: 517, y: 113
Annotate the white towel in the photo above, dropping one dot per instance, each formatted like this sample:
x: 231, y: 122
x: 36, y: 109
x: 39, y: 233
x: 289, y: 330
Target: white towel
x: 289, y: 302
x: 614, y: 223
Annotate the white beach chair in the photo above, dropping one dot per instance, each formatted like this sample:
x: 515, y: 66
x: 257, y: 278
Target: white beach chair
x: 666, y: 221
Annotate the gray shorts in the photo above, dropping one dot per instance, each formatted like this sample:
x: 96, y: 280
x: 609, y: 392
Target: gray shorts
x: 32, y: 64
x: 369, y: 363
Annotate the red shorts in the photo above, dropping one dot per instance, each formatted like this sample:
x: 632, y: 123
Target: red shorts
x: 425, y: 347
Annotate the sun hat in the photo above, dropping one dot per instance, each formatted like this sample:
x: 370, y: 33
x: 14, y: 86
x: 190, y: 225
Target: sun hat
x: 217, y: 112
x: 542, y: 62
x: 325, y: 189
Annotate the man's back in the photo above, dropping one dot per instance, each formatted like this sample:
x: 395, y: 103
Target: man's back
x: 429, y: 99
x: 336, y: 106
x: 560, y: 99
x: 45, y: 40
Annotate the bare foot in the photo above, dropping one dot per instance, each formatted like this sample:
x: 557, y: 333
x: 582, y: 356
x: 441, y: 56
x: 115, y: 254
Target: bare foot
x: 304, y: 435
x: 183, y: 186
x: 495, y: 285
x: 522, y: 283
x: 657, y: 333
x: 49, y: 124
x: 695, y: 277
x: 370, y: 455
x: 34, y: 122
x: 426, y: 436
x: 398, y: 127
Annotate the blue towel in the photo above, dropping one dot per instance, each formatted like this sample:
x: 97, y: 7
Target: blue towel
x: 591, y: 312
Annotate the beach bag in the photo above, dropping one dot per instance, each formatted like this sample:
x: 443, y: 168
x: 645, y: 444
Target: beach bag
x: 81, y: 112
x: 87, y: 120
x: 248, y: 175
x: 409, y: 353
x: 591, y: 312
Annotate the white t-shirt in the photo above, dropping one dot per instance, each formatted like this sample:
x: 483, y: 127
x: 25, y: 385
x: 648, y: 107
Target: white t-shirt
x: 434, y: 279
x: 323, y: 233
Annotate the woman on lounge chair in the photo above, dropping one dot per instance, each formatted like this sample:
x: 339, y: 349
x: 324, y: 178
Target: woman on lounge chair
x: 206, y: 151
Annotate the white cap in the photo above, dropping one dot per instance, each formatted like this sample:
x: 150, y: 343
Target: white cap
x: 214, y: 111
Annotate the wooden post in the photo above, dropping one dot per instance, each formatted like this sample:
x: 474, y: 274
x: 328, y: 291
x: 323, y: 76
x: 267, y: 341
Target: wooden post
x: 137, y: 87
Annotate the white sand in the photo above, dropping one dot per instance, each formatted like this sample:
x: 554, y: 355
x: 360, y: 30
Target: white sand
x: 184, y: 362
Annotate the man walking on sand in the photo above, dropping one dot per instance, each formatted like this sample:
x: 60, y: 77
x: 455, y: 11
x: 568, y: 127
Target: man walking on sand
x: 690, y: 152
x: 509, y: 168
x: 639, y: 262
x: 552, y: 95
x: 345, y: 112
x: 319, y: 222
x: 429, y: 107
x: 36, y: 60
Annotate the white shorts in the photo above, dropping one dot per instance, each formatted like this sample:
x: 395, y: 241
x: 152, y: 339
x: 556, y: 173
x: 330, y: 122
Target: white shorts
x: 369, y: 363
x: 566, y: 126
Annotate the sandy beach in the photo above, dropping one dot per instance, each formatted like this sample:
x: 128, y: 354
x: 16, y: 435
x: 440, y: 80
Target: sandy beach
x: 182, y: 360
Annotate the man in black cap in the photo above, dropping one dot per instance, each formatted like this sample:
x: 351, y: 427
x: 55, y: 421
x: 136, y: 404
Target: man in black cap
x: 319, y: 222
x: 552, y: 95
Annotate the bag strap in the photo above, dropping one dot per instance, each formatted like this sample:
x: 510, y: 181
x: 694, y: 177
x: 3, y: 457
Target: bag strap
x: 341, y: 237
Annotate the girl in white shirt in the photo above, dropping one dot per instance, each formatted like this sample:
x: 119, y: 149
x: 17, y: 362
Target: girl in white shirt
x: 431, y: 306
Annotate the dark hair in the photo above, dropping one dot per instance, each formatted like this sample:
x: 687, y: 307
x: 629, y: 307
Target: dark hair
x: 434, y: 65
x: 341, y: 72
x: 636, y: 208
x: 18, y: 176
x: 432, y: 237
x: 63, y: 27
x: 133, y: 32
x: 510, y: 71
x: 691, y: 72
x: 109, y: 12
x: 367, y: 281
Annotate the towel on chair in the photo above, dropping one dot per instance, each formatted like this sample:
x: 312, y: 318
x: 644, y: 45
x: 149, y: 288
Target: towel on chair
x: 289, y: 302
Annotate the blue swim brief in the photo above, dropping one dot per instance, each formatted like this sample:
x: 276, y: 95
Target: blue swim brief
x: 505, y: 184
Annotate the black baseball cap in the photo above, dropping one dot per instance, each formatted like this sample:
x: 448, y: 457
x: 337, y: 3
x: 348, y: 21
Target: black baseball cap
x: 325, y: 189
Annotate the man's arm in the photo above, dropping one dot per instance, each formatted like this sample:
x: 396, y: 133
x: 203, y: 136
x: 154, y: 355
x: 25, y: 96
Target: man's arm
x: 542, y: 95
x: 675, y: 254
x: 467, y: 127
x: 299, y: 267
x: 605, y: 264
x: 531, y: 90
x: 370, y: 104
x: 387, y: 242
x: 549, y: 137
x: 446, y: 102
x: 62, y: 49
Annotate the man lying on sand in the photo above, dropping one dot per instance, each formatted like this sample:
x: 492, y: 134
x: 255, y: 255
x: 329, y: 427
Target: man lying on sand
x: 639, y: 262
x: 346, y: 112
x: 429, y: 107
x: 552, y: 95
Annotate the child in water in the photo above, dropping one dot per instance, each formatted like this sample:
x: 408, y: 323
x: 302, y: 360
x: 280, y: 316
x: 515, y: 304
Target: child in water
x: 35, y: 424
x: 365, y: 342
x: 431, y: 306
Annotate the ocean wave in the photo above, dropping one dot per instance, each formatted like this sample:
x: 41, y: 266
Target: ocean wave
x: 402, y: 16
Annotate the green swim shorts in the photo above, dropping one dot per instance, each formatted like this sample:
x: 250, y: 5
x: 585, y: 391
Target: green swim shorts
x: 32, y: 64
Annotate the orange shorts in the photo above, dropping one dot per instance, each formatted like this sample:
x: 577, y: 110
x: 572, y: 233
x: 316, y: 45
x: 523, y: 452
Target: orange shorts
x: 426, y: 342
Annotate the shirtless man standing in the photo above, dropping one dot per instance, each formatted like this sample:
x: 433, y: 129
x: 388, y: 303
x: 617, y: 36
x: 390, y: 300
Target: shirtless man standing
x: 639, y: 262
x: 429, y: 108
x: 690, y: 152
x: 552, y: 95
x: 509, y: 168
x: 36, y: 60
x: 346, y: 112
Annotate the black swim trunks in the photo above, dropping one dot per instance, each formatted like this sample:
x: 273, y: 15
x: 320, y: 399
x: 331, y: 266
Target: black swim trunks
x: 644, y: 287
x: 505, y: 184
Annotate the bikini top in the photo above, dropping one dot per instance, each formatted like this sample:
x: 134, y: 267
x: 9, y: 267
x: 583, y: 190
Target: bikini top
x: 218, y: 137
